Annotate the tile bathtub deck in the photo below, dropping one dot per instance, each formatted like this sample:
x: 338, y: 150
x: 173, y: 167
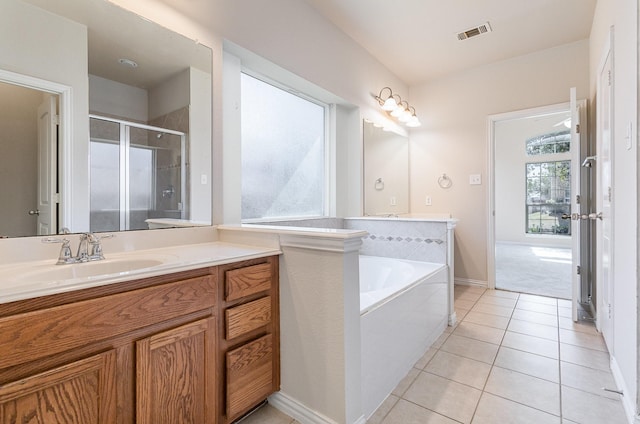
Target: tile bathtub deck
x: 513, y: 358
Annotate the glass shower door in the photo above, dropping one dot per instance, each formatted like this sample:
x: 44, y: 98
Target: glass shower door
x: 138, y: 173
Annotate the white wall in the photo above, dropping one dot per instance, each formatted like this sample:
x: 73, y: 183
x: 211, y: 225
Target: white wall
x: 200, y: 147
x: 48, y: 39
x: 453, y: 137
x: 117, y: 100
x: 171, y: 94
x: 622, y: 15
x: 510, y: 178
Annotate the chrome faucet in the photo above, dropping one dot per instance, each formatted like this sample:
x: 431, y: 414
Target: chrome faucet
x: 89, y: 248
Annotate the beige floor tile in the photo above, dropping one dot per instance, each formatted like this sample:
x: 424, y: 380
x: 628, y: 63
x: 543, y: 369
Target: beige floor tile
x: 446, y: 397
x: 587, y: 408
x: 461, y: 313
x: 408, y: 413
x: 472, y: 297
x: 479, y: 332
x: 538, y: 299
x: 564, y: 303
x: 422, y: 362
x: 588, y: 379
x: 500, y: 301
x: 531, y: 391
x: 470, y: 348
x: 576, y: 338
x: 489, y: 320
x: 586, y: 357
x: 405, y: 382
x: 464, y: 304
x: 535, y: 317
x: 440, y: 340
x: 267, y: 414
x: 493, y: 410
x: 469, y: 289
x: 581, y: 326
x: 383, y: 410
x: 493, y: 309
x: 502, y: 293
x: 457, y: 368
x: 531, y: 344
x: 564, y: 312
x: 542, y: 308
x: 533, y: 329
x: 529, y: 363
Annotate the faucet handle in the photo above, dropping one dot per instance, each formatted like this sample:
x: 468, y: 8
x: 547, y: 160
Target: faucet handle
x: 96, y: 246
x: 65, y: 255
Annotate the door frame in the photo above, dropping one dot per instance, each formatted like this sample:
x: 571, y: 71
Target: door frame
x: 492, y: 120
x: 65, y: 143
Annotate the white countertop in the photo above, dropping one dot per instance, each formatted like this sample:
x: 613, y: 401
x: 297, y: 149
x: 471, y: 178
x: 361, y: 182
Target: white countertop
x: 40, y: 278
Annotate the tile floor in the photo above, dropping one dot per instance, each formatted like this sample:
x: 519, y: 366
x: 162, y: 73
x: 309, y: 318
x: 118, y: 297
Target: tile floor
x: 513, y: 358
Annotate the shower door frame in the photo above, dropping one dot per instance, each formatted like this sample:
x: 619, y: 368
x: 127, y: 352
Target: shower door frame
x: 124, y: 177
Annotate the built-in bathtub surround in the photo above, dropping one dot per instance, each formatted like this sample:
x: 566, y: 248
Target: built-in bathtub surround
x: 416, y: 238
x: 401, y: 238
x: 403, y: 310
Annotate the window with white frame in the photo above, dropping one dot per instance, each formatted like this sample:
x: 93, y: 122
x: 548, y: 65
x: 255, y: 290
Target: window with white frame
x: 283, y: 139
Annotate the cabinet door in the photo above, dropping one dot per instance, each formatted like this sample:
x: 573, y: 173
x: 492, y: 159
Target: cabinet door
x: 175, y: 375
x: 80, y: 392
x: 249, y: 375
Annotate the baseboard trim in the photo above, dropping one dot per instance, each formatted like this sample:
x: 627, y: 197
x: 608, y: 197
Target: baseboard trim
x: 300, y: 412
x: 470, y: 282
x: 627, y: 401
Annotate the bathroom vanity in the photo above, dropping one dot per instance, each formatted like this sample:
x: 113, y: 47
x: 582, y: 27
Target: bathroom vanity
x: 196, y: 345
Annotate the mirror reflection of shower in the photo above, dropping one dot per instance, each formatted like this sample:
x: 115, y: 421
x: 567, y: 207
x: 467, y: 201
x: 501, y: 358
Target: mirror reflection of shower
x: 138, y: 172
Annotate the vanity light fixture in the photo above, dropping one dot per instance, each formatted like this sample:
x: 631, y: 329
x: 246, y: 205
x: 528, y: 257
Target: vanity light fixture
x: 398, y: 108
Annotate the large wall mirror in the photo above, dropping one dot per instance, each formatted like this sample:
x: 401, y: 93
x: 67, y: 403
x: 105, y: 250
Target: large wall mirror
x: 386, y: 171
x: 105, y: 121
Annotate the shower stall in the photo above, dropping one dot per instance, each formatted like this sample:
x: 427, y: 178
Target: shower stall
x: 137, y: 172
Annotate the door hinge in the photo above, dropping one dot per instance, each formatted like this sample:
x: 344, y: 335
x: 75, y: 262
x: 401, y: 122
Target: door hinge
x: 577, y: 128
x: 609, y: 77
x: 577, y: 199
x: 56, y: 198
x: 609, y: 193
x: 56, y: 119
x: 578, y: 270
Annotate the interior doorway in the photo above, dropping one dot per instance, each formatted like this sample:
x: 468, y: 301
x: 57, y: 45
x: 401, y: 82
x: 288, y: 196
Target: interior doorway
x: 532, y: 188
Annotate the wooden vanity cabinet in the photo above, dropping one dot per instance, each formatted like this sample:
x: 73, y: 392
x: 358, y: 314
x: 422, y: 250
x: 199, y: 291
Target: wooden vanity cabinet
x: 196, y: 347
x: 249, y: 336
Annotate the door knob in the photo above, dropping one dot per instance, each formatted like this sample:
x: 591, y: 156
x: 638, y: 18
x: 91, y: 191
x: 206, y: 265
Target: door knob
x: 593, y: 216
x: 36, y: 212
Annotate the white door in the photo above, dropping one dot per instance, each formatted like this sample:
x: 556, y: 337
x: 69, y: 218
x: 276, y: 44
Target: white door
x: 47, y: 167
x: 604, y: 200
x: 575, y: 205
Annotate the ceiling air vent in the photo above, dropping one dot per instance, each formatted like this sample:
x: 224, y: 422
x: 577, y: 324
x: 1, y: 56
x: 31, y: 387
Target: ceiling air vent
x: 472, y: 32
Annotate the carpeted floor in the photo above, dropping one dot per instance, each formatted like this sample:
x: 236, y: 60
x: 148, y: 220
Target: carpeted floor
x: 537, y: 270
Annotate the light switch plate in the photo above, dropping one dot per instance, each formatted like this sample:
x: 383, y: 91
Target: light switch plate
x: 475, y: 179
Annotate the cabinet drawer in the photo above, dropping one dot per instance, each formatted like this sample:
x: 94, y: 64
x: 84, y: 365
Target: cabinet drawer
x: 249, y: 375
x: 247, y: 317
x: 246, y: 281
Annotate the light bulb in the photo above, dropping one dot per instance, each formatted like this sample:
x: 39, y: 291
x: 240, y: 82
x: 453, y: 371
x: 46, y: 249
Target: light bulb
x: 389, y: 104
x: 405, y: 116
x: 413, y: 122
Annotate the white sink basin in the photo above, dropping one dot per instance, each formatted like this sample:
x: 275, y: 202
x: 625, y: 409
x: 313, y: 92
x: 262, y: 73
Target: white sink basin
x: 43, y: 272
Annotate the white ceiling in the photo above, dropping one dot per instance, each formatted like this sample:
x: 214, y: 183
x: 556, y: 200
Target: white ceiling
x: 417, y: 39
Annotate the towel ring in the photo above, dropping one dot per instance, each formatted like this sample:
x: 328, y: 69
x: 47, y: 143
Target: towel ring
x: 379, y: 184
x: 444, y: 181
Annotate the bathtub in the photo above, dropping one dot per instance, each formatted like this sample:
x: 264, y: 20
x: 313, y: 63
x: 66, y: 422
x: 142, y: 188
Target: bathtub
x: 403, y: 310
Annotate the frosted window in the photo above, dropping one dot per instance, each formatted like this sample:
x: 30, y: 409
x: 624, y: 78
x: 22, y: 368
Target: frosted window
x: 283, y: 153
